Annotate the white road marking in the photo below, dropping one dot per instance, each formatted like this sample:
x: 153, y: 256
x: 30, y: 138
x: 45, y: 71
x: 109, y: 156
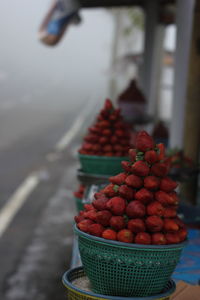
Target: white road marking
x: 13, y: 205
x: 67, y: 138
x: 10, y: 209
x: 75, y: 128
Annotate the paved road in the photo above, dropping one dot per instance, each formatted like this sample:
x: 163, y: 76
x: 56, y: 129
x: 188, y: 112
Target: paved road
x: 35, y: 249
x: 42, y: 92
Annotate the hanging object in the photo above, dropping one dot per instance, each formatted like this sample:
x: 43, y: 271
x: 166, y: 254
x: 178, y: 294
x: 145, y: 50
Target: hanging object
x: 60, y: 15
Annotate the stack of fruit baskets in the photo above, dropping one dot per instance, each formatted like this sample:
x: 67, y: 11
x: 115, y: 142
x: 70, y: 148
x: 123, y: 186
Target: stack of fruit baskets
x: 130, y: 237
x: 106, y: 144
x: 79, y: 194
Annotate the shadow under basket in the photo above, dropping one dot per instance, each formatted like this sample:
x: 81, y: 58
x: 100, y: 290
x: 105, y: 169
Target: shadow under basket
x: 102, y: 165
x: 77, y: 293
x: 131, y: 270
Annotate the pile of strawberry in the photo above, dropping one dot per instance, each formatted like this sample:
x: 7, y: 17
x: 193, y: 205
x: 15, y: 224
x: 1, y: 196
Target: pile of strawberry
x: 109, y: 136
x: 140, y: 204
x: 80, y: 191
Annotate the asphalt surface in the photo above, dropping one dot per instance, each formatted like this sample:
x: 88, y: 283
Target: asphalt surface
x: 35, y: 249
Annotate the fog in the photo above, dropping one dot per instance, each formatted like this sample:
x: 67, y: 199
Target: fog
x: 37, y: 77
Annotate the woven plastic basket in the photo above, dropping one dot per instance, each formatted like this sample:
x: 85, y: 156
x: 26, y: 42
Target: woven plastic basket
x: 101, y: 164
x: 121, y: 269
x: 75, y: 293
x: 79, y: 204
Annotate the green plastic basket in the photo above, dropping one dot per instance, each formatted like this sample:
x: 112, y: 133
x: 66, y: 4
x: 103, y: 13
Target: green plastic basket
x: 121, y: 269
x: 101, y: 164
x: 79, y: 204
x: 75, y: 293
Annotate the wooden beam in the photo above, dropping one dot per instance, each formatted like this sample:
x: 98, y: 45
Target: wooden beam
x: 109, y: 3
x: 118, y: 3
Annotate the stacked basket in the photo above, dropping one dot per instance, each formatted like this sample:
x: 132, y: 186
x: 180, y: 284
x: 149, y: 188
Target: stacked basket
x: 105, y: 146
x: 130, y: 237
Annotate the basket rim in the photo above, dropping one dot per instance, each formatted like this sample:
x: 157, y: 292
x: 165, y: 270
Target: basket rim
x: 94, y: 157
x: 68, y: 284
x: 128, y: 245
x: 80, y: 172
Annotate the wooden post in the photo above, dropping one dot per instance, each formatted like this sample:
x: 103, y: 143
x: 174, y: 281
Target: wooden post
x: 192, y: 117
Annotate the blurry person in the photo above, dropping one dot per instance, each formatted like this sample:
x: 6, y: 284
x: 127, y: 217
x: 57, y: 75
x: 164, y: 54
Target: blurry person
x: 60, y: 15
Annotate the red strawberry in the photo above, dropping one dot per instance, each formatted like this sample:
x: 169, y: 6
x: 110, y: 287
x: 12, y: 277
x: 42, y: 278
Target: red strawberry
x: 151, y: 182
x: 103, y: 124
x: 118, y: 148
x: 155, y: 208
x: 108, y: 104
x: 116, y: 205
x: 107, y: 132
x: 117, y: 222
x: 119, y: 154
x: 81, y: 151
x: 103, y: 140
x: 84, y: 225
x: 95, y: 130
x: 91, y: 214
x: 109, y: 190
x: 126, y: 166
x: 119, y: 125
x: 126, y: 192
x: 151, y: 156
x: 103, y: 217
x: 96, y: 147
x: 144, y: 141
x: 125, y: 236
x: 99, y: 195
x: 182, y: 233
x: 118, y: 179
x: 91, y: 138
x: 119, y: 133
x: 167, y: 184
x: 100, y: 202
x: 174, y: 198
x: 136, y: 225
x: 169, y: 212
x: 96, y: 229
x: 172, y: 238
x: 170, y: 225
x: 78, y: 195
x: 158, y: 239
x: 87, y: 146
x: 113, y: 140
x: 107, y: 148
x: 164, y: 198
x: 179, y: 222
x: 140, y: 168
x: 144, y: 195
x: 143, y: 238
x: 113, y: 117
x: 135, y: 209
x: 124, y: 142
x: 134, y: 181
x: 109, y: 234
x: 110, y: 154
x: 88, y: 207
x: 159, y: 169
x: 132, y: 154
x: 78, y: 219
x: 161, y: 154
x: 154, y: 223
